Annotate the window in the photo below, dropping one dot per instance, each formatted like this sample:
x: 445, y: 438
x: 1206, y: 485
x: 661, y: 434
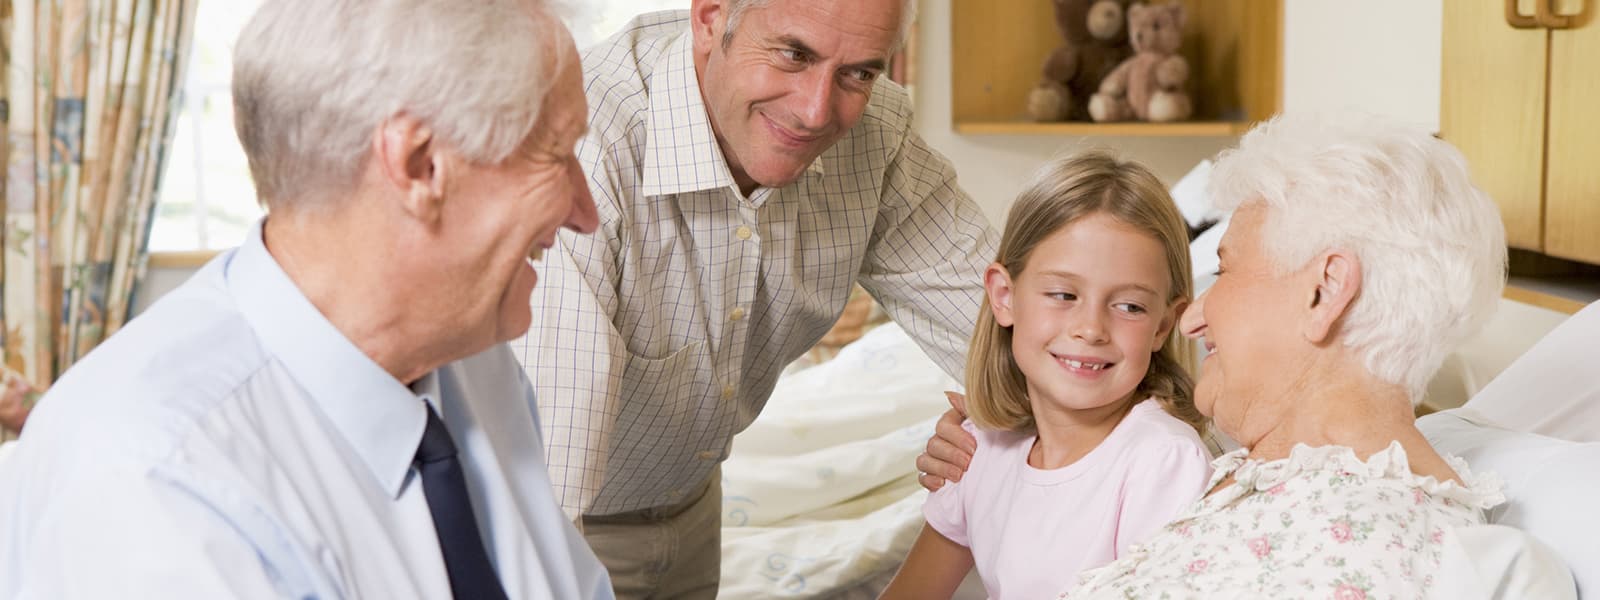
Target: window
x: 207, y: 201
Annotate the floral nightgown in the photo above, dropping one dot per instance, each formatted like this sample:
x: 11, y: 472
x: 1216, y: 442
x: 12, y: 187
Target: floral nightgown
x: 1318, y: 524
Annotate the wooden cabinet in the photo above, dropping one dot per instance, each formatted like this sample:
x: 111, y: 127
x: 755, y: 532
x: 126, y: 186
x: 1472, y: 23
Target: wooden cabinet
x: 1521, y: 98
x: 998, y: 47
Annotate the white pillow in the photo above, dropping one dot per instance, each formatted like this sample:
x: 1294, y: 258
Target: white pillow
x: 1552, y: 389
x: 1495, y: 562
x: 1550, y: 487
x: 1512, y: 331
x: 1203, y: 255
x: 1189, y: 193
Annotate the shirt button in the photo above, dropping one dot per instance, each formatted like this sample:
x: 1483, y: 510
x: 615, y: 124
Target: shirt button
x: 709, y: 455
x: 742, y: 232
x: 727, y: 392
x: 738, y: 313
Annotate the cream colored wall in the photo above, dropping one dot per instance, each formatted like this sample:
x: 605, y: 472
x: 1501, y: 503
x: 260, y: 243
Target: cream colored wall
x: 1376, y: 55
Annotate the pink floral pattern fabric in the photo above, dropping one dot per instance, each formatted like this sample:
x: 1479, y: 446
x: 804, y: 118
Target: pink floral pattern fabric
x: 1318, y: 524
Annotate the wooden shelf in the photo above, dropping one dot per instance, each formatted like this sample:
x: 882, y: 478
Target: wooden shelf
x: 1186, y: 129
x: 998, y: 48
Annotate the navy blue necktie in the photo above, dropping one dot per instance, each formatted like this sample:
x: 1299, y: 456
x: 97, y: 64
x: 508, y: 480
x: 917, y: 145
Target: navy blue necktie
x: 472, y: 576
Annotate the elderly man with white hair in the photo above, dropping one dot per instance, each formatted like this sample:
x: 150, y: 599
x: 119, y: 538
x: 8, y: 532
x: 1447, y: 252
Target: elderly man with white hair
x: 750, y: 163
x: 330, y: 411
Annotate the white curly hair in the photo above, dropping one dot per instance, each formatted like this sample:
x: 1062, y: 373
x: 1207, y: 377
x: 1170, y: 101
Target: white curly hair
x: 1431, y: 244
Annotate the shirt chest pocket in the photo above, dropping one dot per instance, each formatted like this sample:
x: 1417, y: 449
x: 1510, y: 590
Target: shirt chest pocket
x: 666, y: 390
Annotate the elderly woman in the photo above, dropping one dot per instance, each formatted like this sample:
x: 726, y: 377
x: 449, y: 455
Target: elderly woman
x: 1358, y: 255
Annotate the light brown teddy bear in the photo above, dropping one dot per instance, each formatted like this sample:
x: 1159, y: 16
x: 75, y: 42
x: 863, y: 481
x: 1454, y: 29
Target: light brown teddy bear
x: 1150, y: 85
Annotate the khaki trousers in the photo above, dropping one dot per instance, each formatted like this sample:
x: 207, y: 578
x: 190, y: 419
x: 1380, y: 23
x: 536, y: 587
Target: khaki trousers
x: 663, y: 552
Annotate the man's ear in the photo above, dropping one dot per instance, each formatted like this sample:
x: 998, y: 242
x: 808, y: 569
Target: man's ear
x: 1174, y: 310
x: 1337, y: 278
x: 707, y: 18
x: 997, y: 284
x: 411, y: 161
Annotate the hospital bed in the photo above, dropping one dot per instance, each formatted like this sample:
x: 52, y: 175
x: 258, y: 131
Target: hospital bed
x: 821, y: 501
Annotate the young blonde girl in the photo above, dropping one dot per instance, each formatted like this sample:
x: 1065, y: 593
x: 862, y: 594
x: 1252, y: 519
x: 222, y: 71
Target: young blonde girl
x: 1088, y: 438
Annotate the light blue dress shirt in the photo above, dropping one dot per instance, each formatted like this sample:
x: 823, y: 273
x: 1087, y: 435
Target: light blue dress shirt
x: 231, y: 443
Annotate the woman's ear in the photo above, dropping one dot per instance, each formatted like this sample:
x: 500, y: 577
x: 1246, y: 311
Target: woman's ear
x: 997, y: 284
x: 1337, y: 278
x: 1168, y: 321
x: 410, y: 160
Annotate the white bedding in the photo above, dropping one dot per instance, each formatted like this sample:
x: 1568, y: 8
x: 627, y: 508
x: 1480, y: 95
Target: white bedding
x: 1496, y: 562
x: 820, y: 497
x: 1552, y: 388
x: 1547, y: 499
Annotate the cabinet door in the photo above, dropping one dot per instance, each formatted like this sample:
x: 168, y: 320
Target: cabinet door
x: 1572, y: 198
x: 1493, y: 90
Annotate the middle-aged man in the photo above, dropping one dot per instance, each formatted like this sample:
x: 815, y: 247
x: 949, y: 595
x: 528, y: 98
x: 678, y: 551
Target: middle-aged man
x: 329, y: 411
x: 750, y: 163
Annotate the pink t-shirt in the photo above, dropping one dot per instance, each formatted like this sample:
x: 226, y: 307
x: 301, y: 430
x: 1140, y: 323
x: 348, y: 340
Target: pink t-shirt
x: 1031, y: 531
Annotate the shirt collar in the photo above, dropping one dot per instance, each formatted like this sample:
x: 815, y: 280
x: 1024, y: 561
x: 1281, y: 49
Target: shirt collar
x: 681, y: 152
x: 380, y: 418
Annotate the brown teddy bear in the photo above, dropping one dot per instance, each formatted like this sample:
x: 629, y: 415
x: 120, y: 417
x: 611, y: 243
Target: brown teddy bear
x: 1095, y: 42
x: 1150, y: 85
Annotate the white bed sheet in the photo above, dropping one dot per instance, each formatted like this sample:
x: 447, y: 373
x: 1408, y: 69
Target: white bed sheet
x: 1496, y: 562
x: 820, y: 497
x: 1553, y: 388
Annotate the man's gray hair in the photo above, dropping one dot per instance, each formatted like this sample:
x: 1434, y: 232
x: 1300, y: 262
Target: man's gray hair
x: 737, y: 8
x: 312, y: 79
x: 1431, y: 245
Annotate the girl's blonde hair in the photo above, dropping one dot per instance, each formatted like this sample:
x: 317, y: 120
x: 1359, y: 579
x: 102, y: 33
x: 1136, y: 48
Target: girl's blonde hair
x: 1061, y: 193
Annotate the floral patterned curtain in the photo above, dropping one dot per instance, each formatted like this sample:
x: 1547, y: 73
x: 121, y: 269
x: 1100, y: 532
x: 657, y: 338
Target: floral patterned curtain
x: 87, y: 105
